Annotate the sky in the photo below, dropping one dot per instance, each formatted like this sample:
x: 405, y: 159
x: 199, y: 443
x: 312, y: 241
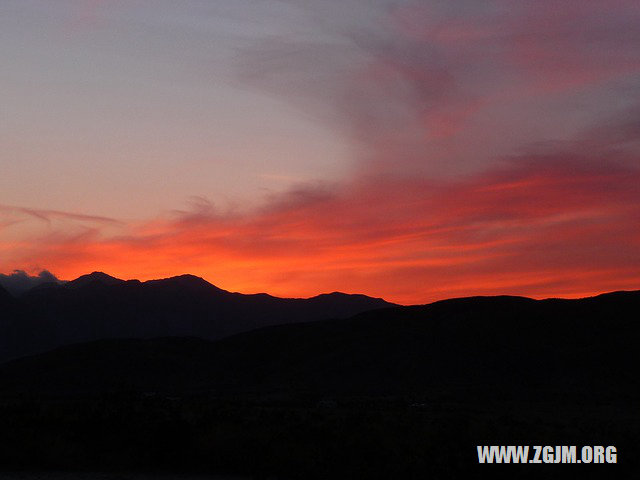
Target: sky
x: 411, y: 150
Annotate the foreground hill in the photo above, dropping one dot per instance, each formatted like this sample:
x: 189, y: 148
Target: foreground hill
x: 505, y: 347
x: 404, y: 392
x: 98, y: 306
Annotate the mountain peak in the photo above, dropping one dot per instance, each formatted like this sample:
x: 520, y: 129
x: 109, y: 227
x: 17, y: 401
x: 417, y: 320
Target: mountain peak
x: 186, y: 281
x: 338, y: 295
x: 187, y: 277
x: 98, y: 277
x: 351, y: 297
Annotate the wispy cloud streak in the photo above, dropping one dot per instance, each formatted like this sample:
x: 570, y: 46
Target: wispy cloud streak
x: 49, y: 215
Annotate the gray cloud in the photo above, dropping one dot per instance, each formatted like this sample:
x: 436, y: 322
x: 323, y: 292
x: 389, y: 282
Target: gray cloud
x: 20, y: 281
x: 49, y: 215
x: 446, y: 87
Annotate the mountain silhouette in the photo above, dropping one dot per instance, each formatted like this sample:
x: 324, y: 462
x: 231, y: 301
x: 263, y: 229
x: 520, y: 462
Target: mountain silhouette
x: 94, y: 277
x: 99, y: 306
x: 503, y: 347
x: 399, y: 392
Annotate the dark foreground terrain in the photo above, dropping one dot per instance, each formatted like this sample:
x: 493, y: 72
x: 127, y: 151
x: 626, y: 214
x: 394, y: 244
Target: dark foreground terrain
x: 98, y: 306
x: 405, y: 392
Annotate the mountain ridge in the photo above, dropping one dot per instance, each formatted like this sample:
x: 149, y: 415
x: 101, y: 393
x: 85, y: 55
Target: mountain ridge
x: 484, y: 346
x: 398, y: 386
x: 97, y: 305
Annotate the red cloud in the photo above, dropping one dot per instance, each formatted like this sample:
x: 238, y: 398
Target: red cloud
x: 544, y: 226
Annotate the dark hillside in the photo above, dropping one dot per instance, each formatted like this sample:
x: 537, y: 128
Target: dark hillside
x: 403, y: 392
x: 98, y: 306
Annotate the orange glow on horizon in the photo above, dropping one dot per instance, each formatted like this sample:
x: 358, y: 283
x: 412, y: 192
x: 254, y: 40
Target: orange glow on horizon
x: 525, y: 231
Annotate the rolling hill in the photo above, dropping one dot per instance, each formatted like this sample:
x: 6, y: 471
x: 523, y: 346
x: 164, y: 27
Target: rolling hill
x: 98, y: 306
x: 507, y: 347
x: 402, y: 392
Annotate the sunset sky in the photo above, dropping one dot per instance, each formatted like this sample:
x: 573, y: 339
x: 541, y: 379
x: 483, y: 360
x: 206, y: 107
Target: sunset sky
x: 412, y: 150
